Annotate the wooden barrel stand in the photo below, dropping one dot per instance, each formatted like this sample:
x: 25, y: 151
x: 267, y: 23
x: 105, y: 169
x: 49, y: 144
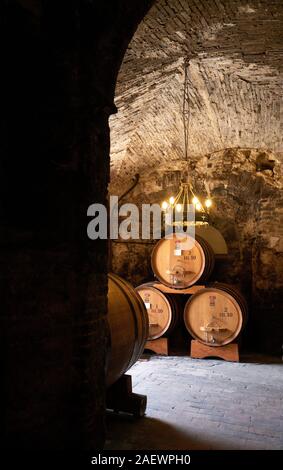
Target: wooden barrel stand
x: 158, y: 346
x: 121, y: 398
x: 229, y: 352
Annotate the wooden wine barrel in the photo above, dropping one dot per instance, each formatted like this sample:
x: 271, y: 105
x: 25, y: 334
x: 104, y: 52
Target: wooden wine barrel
x: 163, y: 310
x: 216, y: 315
x: 128, y: 324
x: 234, y: 291
x: 180, y: 263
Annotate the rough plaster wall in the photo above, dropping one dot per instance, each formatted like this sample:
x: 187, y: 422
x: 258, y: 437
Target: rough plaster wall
x: 247, y: 191
x: 236, y: 50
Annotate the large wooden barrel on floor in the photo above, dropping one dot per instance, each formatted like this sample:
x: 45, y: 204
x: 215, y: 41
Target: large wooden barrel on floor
x: 163, y: 310
x: 216, y: 315
x: 128, y: 324
x: 180, y: 262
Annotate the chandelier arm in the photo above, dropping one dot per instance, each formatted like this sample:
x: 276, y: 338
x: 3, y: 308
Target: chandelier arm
x: 186, y: 198
x: 192, y: 191
x: 177, y: 198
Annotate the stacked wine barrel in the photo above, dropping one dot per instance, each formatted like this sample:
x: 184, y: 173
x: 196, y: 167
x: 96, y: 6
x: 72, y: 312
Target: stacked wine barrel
x: 163, y: 310
x: 128, y: 325
x: 213, y: 314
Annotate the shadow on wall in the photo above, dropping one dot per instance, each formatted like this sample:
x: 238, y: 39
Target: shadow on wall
x: 53, y: 332
x: 246, y: 187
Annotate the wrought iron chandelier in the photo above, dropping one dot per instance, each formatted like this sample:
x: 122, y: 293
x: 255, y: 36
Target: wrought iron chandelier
x: 180, y: 203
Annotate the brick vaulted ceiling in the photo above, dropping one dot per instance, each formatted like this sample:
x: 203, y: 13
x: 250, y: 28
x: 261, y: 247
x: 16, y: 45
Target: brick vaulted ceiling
x: 235, y: 82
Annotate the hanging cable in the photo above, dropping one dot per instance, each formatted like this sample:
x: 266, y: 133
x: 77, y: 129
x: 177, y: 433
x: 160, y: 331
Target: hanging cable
x: 186, y: 107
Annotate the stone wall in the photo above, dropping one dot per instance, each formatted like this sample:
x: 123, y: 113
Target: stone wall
x: 246, y: 188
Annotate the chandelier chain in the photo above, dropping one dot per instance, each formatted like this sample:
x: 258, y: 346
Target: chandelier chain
x: 186, y: 195
x: 186, y: 107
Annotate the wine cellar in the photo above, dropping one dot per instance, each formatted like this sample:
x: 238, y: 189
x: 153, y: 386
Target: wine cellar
x: 142, y: 226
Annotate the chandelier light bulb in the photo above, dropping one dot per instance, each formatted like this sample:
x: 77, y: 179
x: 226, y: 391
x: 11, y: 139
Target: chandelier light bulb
x: 195, y: 200
x: 208, y: 203
x: 179, y: 207
x: 164, y: 205
x: 198, y: 206
x: 172, y: 200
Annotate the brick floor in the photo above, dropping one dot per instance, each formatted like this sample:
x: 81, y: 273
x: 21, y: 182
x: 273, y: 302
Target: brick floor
x: 203, y: 404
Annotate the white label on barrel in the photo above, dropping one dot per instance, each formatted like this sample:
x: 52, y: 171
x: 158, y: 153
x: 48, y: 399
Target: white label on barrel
x: 147, y: 305
x: 178, y: 249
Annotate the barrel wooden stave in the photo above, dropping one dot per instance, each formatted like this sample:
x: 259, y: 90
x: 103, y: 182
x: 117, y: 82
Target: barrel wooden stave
x: 128, y: 324
x: 236, y: 293
x: 192, y: 264
x: 209, y: 259
x: 215, y: 315
x: 165, y: 315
